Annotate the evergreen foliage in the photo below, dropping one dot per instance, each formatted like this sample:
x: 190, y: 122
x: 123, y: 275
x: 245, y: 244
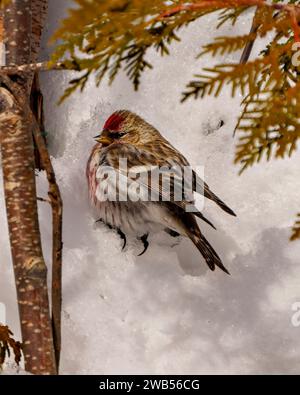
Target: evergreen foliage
x: 8, y: 344
x: 3, y: 3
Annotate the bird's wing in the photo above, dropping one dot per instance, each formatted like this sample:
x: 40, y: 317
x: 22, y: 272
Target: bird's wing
x: 140, y: 169
x: 166, y: 150
x: 201, y: 187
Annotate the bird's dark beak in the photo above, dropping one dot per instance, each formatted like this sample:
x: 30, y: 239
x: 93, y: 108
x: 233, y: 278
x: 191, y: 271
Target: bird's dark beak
x: 104, y: 138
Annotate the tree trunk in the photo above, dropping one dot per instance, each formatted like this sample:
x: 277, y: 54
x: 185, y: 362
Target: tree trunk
x: 18, y: 164
x: 39, y: 12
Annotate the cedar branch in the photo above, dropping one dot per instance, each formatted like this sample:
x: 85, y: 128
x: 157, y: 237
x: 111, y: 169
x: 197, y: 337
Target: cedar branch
x: 8, y: 343
x: 218, y: 4
x: 293, y: 10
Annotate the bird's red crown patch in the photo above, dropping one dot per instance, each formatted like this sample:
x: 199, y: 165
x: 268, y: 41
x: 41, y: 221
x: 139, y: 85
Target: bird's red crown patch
x: 114, y: 122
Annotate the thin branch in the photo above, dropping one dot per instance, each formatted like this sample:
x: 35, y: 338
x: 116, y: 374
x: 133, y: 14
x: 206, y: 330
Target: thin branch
x: 210, y: 4
x: 40, y: 66
x: 248, y: 48
x: 36, y: 105
x: 292, y: 9
x: 43, y: 200
x: 57, y: 244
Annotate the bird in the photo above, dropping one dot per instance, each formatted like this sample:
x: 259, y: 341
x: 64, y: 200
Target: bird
x: 128, y: 147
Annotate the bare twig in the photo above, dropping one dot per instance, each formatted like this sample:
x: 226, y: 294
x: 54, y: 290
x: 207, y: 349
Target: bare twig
x: 39, y: 13
x: 36, y: 104
x: 43, y: 200
x: 39, y: 9
x: 248, y: 48
x: 31, y: 67
x: 57, y: 245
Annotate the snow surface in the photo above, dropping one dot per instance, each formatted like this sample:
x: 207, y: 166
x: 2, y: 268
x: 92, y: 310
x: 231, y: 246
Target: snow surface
x: 165, y: 312
x: 12, y: 369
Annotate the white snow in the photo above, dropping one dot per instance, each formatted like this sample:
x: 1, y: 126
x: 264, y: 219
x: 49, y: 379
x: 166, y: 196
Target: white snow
x: 12, y: 369
x: 165, y: 312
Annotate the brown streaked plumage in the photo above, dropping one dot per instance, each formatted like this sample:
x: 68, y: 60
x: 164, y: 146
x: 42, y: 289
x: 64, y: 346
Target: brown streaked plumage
x: 126, y: 135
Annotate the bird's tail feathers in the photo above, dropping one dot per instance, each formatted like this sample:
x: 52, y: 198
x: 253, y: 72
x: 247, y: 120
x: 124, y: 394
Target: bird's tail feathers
x: 209, y: 254
x: 201, y: 216
x: 210, y: 195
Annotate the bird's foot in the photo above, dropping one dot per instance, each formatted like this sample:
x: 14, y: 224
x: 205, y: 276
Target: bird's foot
x: 104, y: 223
x: 123, y: 237
x: 145, y: 241
x: 118, y: 230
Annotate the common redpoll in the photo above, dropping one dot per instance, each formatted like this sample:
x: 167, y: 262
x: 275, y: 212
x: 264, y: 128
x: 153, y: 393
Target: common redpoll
x: 129, y: 199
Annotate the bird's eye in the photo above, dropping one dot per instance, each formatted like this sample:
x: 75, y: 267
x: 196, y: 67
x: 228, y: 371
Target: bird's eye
x: 119, y: 135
